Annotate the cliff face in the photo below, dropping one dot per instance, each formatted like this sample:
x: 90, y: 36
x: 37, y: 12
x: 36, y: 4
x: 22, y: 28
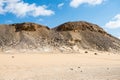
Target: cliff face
x: 70, y: 36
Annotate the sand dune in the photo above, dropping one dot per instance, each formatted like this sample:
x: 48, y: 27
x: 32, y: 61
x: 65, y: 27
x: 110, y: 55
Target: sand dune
x: 103, y: 66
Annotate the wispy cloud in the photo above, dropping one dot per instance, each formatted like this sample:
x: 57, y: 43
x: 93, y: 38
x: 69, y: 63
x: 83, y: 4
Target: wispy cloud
x: 114, y: 23
x: 60, y: 5
x: 77, y: 3
x: 22, y: 9
x: 40, y: 19
x: 9, y: 21
x: 119, y: 37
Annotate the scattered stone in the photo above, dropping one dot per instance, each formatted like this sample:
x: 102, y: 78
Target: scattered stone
x: 12, y: 56
x: 107, y: 68
x: 71, y: 68
x: 95, y: 54
x: 78, y: 67
x: 86, y: 51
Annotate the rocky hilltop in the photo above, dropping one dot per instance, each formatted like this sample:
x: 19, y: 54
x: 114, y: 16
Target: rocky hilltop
x: 70, y: 36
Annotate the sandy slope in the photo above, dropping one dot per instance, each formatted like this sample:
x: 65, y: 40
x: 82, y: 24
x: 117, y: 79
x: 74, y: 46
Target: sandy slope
x: 60, y: 66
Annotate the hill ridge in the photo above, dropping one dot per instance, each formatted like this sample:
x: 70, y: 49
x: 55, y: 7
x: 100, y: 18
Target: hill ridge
x: 69, y: 36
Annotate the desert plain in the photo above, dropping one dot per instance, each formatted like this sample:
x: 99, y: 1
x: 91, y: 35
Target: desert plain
x: 60, y: 66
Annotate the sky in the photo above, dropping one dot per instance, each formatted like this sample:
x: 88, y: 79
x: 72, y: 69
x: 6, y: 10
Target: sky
x: 105, y: 13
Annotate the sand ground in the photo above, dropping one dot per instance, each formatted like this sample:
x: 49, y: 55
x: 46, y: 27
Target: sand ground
x: 103, y: 66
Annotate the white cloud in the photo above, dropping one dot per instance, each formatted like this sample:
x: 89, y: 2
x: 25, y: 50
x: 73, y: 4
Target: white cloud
x: 60, y: 5
x: 22, y: 9
x: 119, y: 37
x: 8, y: 21
x: 40, y: 19
x: 77, y: 3
x: 1, y: 7
x: 114, y: 23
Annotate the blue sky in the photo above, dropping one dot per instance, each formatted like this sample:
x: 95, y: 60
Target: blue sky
x: 105, y: 13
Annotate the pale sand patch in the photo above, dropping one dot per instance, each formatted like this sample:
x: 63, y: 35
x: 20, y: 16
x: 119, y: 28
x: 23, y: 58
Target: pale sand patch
x: 83, y: 66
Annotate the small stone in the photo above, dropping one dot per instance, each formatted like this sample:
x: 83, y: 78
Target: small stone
x: 107, y: 68
x: 86, y: 52
x: 12, y: 56
x: 78, y: 67
x: 95, y: 54
x: 71, y: 68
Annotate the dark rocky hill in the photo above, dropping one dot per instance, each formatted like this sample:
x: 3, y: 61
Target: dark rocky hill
x: 88, y: 35
x: 70, y: 36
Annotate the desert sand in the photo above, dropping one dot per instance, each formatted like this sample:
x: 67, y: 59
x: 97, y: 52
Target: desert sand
x: 57, y: 66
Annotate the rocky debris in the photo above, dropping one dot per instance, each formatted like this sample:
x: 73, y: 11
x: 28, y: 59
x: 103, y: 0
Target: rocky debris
x: 70, y: 36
